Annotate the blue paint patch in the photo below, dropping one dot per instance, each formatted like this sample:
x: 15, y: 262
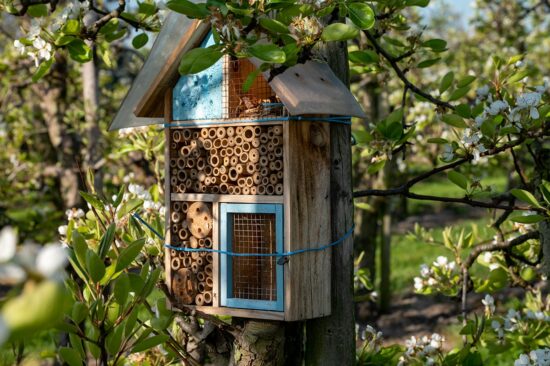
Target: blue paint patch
x: 199, y: 96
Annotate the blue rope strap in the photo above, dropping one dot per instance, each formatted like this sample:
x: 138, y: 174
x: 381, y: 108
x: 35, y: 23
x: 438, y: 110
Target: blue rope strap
x: 233, y: 254
x: 346, y: 120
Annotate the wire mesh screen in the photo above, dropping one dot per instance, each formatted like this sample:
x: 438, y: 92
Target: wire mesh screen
x: 254, y: 278
x: 259, y: 101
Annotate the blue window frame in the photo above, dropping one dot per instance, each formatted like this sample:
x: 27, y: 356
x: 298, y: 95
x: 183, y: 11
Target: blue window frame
x: 251, y: 282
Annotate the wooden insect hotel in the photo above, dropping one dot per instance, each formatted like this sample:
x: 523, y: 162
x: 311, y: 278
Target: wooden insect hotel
x: 247, y: 178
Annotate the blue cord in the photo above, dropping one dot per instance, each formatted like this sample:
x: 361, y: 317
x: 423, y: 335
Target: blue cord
x: 233, y: 254
x: 346, y: 120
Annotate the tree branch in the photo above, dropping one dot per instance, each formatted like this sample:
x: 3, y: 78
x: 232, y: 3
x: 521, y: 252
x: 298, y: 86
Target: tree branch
x: 401, y: 74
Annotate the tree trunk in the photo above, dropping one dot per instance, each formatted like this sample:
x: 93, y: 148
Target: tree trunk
x: 331, y: 340
x: 385, y: 260
x: 261, y: 343
x: 542, y: 171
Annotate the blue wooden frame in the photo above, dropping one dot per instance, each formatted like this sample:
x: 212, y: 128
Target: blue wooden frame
x: 226, y: 270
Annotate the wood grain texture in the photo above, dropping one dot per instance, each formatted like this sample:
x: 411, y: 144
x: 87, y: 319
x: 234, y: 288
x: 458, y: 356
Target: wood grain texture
x: 167, y: 198
x: 192, y: 197
x: 307, y: 219
x: 216, y: 262
x: 240, y: 313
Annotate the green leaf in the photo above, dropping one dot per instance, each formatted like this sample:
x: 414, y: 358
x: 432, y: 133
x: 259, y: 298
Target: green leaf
x: 93, y: 200
x: 421, y: 3
x: 95, y: 266
x: 149, y: 343
x: 463, y: 110
x: 128, y: 254
x: 525, y: 196
x: 437, y: 45
x: 140, y: 40
x: 364, y: 206
x: 37, y: 11
x: 250, y: 80
x: 122, y: 289
x: 467, y: 80
x: 79, y: 51
x: 106, y: 241
x: 268, y: 53
x: 42, y: 70
x: 459, y: 93
x: 437, y: 140
x: 79, y: 312
x: 364, y: 57
x: 274, y: 26
x: 454, y: 120
x: 446, y: 81
x: 114, y: 340
x: 147, y: 9
x: 361, y: 15
x: 70, y: 356
x: 362, y: 137
x: 544, y: 188
x: 374, y: 168
x: 80, y: 247
x: 458, y: 179
x: 339, y: 32
x: 71, y: 27
x: 427, y: 63
x: 520, y: 75
x: 129, y: 206
x: 199, y: 59
x: 244, y: 10
x: 188, y: 8
x: 529, y: 219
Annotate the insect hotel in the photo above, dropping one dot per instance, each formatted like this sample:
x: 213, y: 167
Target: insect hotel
x: 247, y: 178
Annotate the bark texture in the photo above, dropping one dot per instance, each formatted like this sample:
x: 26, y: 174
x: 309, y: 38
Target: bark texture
x: 261, y: 343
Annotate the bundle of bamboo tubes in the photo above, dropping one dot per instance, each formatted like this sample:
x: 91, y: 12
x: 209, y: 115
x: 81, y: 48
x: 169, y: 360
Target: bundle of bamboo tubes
x: 245, y: 160
x: 191, y: 227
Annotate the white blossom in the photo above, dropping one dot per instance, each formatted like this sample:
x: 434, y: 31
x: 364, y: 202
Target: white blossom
x: 496, y: 107
x: 8, y: 243
x: 62, y: 230
x: 441, y: 261
x: 74, y: 213
x: 489, y: 303
x: 448, y: 152
x: 51, y: 260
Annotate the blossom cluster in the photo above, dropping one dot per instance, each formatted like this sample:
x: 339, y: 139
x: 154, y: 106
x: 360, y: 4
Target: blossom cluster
x: 426, y: 348
x: 538, y: 357
x: 305, y: 30
x: 34, y: 46
x: 437, y: 277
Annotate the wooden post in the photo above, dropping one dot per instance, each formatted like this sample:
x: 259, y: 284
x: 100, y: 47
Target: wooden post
x: 331, y: 340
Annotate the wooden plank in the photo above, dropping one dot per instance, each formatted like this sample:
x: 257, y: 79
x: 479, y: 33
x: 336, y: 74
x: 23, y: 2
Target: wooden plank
x: 215, y: 256
x: 207, y: 197
x: 241, y: 313
x: 307, y: 201
x: 148, y: 106
x: 225, y: 123
x: 167, y: 198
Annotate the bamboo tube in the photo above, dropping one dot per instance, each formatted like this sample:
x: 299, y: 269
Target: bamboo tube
x: 270, y: 189
x: 234, y: 161
x: 214, y: 180
x: 216, y: 171
x: 209, y: 282
x: 241, y: 182
x: 277, y: 141
x: 222, y: 153
x: 239, y: 130
x: 253, y: 190
x: 229, y: 151
x: 230, y: 189
x: 173, y: 252
x: 187, y: 262
x: 183, y: 234
x: 208, y: 170
x: 248, y: 133
x: 243, y: 158
x: 194, y: 242
x: 279, y: 189
x: 223, y: 169
x: 246, y: 146
x: 255, y: 142
x: 215, y: 189
x: 278, y: 130
x: 181, y: 188
x: 254, y: 155
x: 187, y: 134
x: 196, y: 135
x: 199, y: 300
x: 201, y: 176
x: 175, y: 217
x: 174, y: 146
x: 236, y: 190
x: 188, y: 183
x: 230, y: 131
x: 223, y: 186
x: 203, y: 188
x: 173, y: 163
x: 263, y: 150
x: 214, y: 160
x: 280, y: 174
x: 185, y: 151
x: 231, y: 141
x: 197, y: 186
x: 278, y: 152
x: 264, y: 172
x: 182, y: 175
x: 270, y: 132
x: 212, y: 133
x: 257, y: 178
x: 271, y: 157
x: 246, y: 190
x: 209, y: 257
x: 202, y: 255
x: 249, y: 181
x: 201, y: 163
x: 175, y: 229
x: 175, y: 264
x: 204, y: 133
x: 264, y: 161
x: 270, y: 146
x: 257, y: 131
x: 200, y: 276
x: 194, y: 256
x: 238, y: 140
x: 264, y: 138
x: 241, y: 168
x: 173, y: 181
x: 181, y: 255
x: 237, y: 150
x: 191, y: 163
x: 176, y: 136
x: 176, y: 206
x: 201, y: 287
x: 207, y: 144
x: 184, y: 207
x: 220, y: 132
x: 174, y: 172
x: 207, y: 296
x: 276, y: 165
x: 207, y: 181
x: 265, y: 181
x: 225, y: 142
x: 217, y: 143
x: 251, y: 168
x: 201, y: 243
x: 224, y: 178
x: 273, y: 179
x: 180, y: 162
x: 233, y: 174
x: 226, y: 161
x: 208, y: 270
x: 207, y: 242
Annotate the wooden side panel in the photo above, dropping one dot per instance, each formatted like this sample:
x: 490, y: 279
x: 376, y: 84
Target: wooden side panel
x: 307, y: 219
x: 167, y: 197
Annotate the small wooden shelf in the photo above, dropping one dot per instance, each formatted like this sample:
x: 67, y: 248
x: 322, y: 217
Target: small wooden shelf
x: 208, y: 197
